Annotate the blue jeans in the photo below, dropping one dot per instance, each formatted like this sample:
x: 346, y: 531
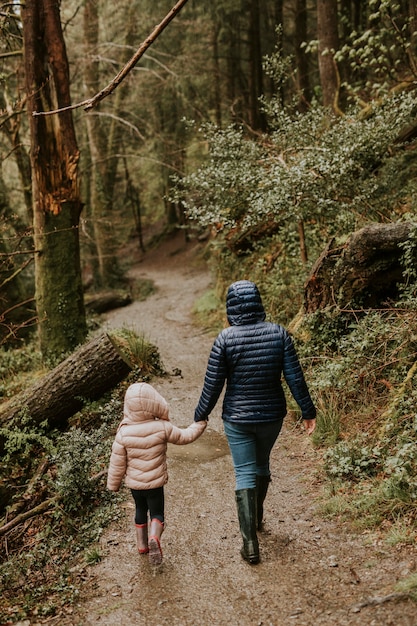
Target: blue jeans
x: 250, y: 446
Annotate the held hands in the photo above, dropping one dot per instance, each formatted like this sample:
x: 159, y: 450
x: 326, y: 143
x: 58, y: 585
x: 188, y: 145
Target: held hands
x: 310, y: 426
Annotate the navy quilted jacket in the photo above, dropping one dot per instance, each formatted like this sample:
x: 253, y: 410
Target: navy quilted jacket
x: 251, y: 355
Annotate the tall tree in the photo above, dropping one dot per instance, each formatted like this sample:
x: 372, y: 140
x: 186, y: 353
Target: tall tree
x: 15, y: 302
x: 256, y: 116
x: 55, y: 185
x: 301, y: 59
x: 327, y: 34
x: 105, y: 129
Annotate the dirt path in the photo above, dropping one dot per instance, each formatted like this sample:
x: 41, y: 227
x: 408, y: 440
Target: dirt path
x: 312, y: 570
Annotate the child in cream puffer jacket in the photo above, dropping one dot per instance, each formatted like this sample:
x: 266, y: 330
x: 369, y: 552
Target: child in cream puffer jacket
x: 139, y: 458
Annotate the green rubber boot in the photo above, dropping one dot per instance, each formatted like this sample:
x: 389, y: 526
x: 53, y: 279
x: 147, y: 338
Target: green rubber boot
x: 246, y: 510
x: 262, y: 484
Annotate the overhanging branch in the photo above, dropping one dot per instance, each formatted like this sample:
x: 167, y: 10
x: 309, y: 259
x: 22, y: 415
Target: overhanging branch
x: 90, y: 103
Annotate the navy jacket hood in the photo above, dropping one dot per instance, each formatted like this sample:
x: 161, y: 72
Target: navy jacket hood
x: 244, y: 304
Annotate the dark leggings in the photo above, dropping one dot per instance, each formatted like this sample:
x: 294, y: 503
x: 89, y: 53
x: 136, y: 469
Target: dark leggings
x: 151, y: 500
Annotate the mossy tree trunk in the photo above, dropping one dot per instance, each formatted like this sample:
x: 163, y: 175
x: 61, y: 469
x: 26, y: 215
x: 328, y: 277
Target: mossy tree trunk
x: 55, y: 184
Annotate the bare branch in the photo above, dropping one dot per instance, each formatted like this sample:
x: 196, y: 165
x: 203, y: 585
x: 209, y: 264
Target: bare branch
x: 16, y: 252
x: 41, y: 508
x: 16, y: 272
x: 11, y: 53
x: 90, y: 103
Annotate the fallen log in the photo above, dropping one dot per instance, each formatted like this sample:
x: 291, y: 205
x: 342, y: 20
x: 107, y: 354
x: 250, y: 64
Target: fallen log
x: 107, y: 301
x: 242, y: 241
x: 91, y: 371
x: 366, y: 269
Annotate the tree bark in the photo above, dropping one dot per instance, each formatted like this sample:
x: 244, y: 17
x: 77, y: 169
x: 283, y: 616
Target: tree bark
x: 87, y: 374
x: 365, y: 270
x: 217, y: 82
x: 327, y: 34
x: 104, y: 138
x: 55, y: 185
x: 301, y: 58
x: 256, y: 117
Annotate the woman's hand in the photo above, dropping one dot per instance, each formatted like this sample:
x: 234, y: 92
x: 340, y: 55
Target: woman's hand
x: 310, y: 426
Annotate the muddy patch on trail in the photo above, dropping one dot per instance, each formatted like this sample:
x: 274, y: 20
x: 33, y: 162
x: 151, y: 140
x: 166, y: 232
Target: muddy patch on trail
x: 212, y: 446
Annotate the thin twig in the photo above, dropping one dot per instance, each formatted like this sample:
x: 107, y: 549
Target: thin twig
x: 377, y: 600
x: 16, y: 252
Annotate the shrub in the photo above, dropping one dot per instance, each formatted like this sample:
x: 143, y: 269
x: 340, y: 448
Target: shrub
x: 77, y: 460
x: 353, y: 459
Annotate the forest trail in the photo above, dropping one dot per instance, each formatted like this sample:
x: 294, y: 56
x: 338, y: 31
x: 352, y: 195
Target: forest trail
x: 313, y: 571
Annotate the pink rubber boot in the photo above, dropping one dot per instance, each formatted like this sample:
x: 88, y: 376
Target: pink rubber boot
x: 142, y: 538
x: 154, y: 542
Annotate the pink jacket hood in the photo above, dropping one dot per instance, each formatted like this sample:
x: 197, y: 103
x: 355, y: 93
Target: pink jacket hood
x: 143, y: 403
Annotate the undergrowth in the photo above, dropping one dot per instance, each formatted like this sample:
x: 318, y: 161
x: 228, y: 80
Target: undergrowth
x: 362, y: 372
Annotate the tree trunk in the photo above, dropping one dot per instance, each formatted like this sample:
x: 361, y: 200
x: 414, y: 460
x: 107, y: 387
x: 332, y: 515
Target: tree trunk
x: 11, y: 128
x: 102, y: 138
x: 16, y: 307
x: 327, y: 34
x: 233, y: 74
x: 217, y: 83
x: 256, y: 117
x: 278, y: 12
x: 55, y: 185
x: 87, y: 374
x: 301, y: 59
x: 365, y: 271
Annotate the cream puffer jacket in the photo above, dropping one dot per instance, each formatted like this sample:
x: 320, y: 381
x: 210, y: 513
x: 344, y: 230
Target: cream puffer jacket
x: 139, y: 449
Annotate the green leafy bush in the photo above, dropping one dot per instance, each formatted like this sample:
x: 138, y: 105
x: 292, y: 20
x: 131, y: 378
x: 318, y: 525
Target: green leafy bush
x: 21, y: 437
x: 79, y: 457
x: 352, y: 459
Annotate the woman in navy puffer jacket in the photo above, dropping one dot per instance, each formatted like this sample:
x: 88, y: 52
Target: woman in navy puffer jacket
x: 251, y: 355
